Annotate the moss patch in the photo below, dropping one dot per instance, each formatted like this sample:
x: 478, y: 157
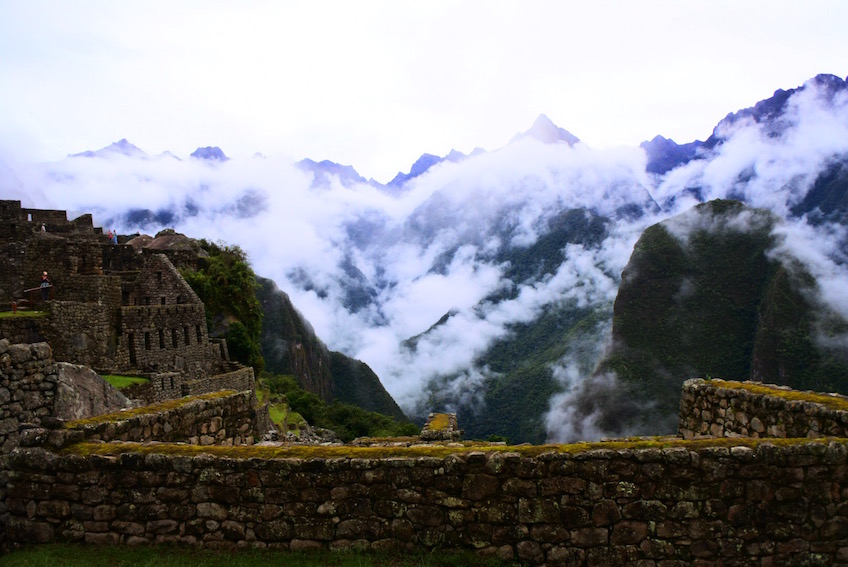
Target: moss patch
x: 833, y: 402
x: 440, y: 422
x: 426, y: 450
x: 146, y: 410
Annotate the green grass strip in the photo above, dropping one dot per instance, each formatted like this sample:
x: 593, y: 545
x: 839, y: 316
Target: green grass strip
x: 120, y: 382
x: 72, y: 555
x: 439, y: 450
x: 832, y: 401
x: 147, y: 410
x: 23, y: 313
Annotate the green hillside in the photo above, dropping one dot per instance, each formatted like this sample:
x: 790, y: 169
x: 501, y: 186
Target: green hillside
x: 513, y: 399
x: 702, y: 296
x: 289, y: 346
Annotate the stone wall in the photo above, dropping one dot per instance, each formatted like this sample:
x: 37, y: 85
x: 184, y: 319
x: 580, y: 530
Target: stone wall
x: 238, y: 380
x: 27, y: 388
x: 80, y: 333
x: 226, y: 419
x: 682, y: 505
x: 719, y: 408
x: 31, y: 387
x: 160, y: 338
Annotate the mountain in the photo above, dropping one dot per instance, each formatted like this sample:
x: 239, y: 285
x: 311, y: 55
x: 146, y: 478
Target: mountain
x: 664, y: 154
x: 121, y: 147
x: 772, y: 115
x: 210, y: 153
x: 542, y: 293
x: 703, y: 295
x: 290, y: 346
x: 544, y: 130
x: 423, y: 164
x: 324, y: 171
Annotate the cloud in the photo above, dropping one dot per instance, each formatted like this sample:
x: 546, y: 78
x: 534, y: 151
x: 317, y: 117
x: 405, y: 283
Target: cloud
x: 433, y: 248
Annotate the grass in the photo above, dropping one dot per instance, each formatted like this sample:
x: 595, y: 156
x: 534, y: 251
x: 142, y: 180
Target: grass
x: 120, y: 382
x: 438, y: 450
x: 71, y: 555
x: 23, y: 313
x: 145, y: 410
x: 440, y: 422
x: 830, y: 401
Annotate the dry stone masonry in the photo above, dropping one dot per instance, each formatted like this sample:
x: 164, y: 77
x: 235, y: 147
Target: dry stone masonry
x: 662, y: 502
x: 719, y: 408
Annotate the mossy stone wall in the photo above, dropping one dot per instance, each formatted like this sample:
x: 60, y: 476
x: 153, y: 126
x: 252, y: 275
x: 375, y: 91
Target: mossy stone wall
x: 773, y: 504
x: 718, y: 408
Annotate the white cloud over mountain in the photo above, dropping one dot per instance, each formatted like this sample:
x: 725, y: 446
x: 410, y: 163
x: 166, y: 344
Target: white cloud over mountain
x: 432, y: 248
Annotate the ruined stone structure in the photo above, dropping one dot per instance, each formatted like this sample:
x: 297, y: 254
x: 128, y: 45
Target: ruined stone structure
x: 661, y: 502
x: 115, y: 308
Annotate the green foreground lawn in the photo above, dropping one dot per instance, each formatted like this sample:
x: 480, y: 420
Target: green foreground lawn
x: 67, y: 555
x: 123, y: 381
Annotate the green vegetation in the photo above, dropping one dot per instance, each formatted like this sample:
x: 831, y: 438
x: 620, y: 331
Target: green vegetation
x: 714, y: 303
x: 347, y: 420
x: 70, y: 555
x: 120, y: 382
x: 835, y: 402
x: 23, y: 313
x: 519, y: 381
x: 227, y: 286
x: 438, y: 450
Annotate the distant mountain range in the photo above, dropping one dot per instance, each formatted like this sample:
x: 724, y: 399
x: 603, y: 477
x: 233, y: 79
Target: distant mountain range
x: 560, y: 292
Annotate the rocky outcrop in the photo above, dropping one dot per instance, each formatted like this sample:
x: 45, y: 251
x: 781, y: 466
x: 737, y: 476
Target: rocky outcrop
x: 80, y: 393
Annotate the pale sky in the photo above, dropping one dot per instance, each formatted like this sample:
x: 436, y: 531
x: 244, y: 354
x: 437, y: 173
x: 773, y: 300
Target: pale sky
x: 375, y: 84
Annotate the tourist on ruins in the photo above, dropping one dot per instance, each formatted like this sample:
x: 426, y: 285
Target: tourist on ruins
x: 113, y: 236
x: 45, y: 286
x: 43, y: 228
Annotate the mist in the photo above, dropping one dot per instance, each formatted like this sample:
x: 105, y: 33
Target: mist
x: 432, y: 248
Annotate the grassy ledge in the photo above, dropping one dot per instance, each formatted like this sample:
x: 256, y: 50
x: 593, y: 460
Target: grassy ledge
x: 120, y: 381
x: 833, y: 401
x: 147, y: 410
x: 23, y: 313
x: 423, y: 450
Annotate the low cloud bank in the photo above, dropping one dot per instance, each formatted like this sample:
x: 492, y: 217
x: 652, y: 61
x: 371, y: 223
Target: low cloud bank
x: 419, y: 253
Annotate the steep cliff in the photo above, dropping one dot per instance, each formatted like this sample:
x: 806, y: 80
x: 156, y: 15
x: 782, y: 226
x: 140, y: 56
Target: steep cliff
x: 704, y: 295
x: 290, y: 346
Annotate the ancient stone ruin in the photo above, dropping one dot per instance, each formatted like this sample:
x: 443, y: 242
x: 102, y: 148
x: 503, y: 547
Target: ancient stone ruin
x: 758, y: 474
x: 115, y: 308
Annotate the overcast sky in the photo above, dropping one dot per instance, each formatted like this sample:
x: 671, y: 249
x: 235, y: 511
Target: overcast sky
x: 375, y: 84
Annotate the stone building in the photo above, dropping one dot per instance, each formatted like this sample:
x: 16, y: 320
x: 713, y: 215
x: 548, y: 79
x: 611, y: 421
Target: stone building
x: 113, y: 307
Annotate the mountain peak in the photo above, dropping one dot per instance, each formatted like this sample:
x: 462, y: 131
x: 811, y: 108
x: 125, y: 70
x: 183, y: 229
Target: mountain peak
x: 545, y: 131
x: 121, y: 147
x: 213, y: 153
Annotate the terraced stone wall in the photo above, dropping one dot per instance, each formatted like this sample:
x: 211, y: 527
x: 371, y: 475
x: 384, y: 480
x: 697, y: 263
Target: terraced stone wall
x: 718, y: 408
x: 764, y: 504
x: 222, y: 420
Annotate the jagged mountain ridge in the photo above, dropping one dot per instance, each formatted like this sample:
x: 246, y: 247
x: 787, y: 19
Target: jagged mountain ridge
x: 490, y: 210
